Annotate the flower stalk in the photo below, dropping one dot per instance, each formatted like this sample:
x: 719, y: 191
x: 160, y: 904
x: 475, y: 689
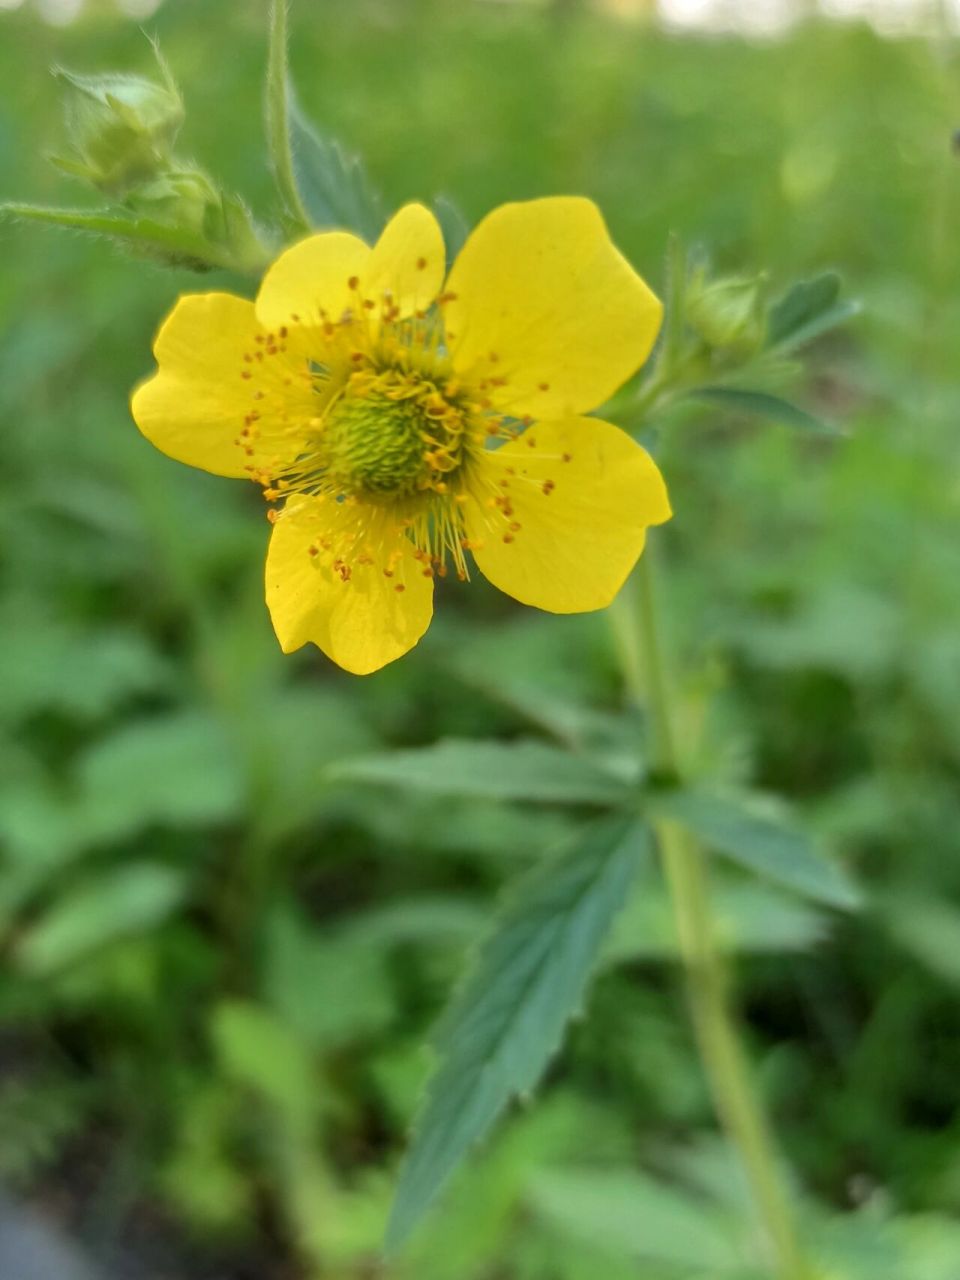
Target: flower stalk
x: 722, y: 1055
x: 278, y: 122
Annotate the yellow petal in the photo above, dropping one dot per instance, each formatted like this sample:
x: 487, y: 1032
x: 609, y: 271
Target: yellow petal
x: 545, y: 302
x: 407, y: 263
x: 321, y: 589
x: 313, y: 280
x: 579, y: 495
x: 223, y: 399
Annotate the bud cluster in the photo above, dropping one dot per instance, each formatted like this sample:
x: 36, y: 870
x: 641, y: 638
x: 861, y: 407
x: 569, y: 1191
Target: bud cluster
x: 122, y: 130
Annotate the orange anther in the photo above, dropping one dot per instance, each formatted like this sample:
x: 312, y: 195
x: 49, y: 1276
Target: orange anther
x: 421, y: 263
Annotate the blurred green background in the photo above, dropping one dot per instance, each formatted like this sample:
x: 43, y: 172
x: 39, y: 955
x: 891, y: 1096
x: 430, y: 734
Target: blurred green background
x: 219, y: 969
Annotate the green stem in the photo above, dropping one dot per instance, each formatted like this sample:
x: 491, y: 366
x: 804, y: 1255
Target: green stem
x: 278, y: 119
x: 723, y: 1058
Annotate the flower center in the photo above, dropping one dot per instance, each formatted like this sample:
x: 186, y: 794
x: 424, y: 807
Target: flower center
x: 392, y: 434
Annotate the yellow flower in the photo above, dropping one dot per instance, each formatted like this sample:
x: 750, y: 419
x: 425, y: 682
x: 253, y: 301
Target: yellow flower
x: 402, y: 421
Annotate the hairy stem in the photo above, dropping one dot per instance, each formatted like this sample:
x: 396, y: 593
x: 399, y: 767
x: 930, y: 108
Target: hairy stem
x: 734, y: 1094
x: 278, y: 120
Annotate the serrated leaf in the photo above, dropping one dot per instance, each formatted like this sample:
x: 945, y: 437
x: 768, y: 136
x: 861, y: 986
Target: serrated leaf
x: 333, y: 184
x: 802, y: 303
x: 736, y: 826
x: 123, y: 901
x: 508, y: 1018
x: 761, y: 404
x: 493, y: 770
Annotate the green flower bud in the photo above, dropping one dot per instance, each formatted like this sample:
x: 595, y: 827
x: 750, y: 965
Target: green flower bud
x: 729, y: 312
x: 193, y: 206
x: 121, y: 128
x: 179, y: 197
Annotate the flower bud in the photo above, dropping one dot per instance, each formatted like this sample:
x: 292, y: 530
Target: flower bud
x: 121, y: 129
x: 193, y: 206
x: 178, y: 197
x: 729, y: 312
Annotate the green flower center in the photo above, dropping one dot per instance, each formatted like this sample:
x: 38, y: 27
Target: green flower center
x: 392, y: 434
x: 376, y: 444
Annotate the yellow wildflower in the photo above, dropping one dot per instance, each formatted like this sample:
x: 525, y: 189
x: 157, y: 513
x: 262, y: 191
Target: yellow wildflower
x: 401, y: 421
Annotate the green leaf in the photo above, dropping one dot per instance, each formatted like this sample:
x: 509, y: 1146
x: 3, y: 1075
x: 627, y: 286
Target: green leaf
x: 334, y: 184
x: 808, y: 310
x: 761, y: 404
x: 749, y: 916
x: 260, y: 1052
x: 821, y: 324
x: 179, y: 769
x: 126, y: 900
x: 508, y: 1019
x: 803, y: 302
x: 738, y: 827
x: 929, y: 929
x: 494, y: 770
x: 49, y: 662
x: 628, y: 1213
x: 173, y: 244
